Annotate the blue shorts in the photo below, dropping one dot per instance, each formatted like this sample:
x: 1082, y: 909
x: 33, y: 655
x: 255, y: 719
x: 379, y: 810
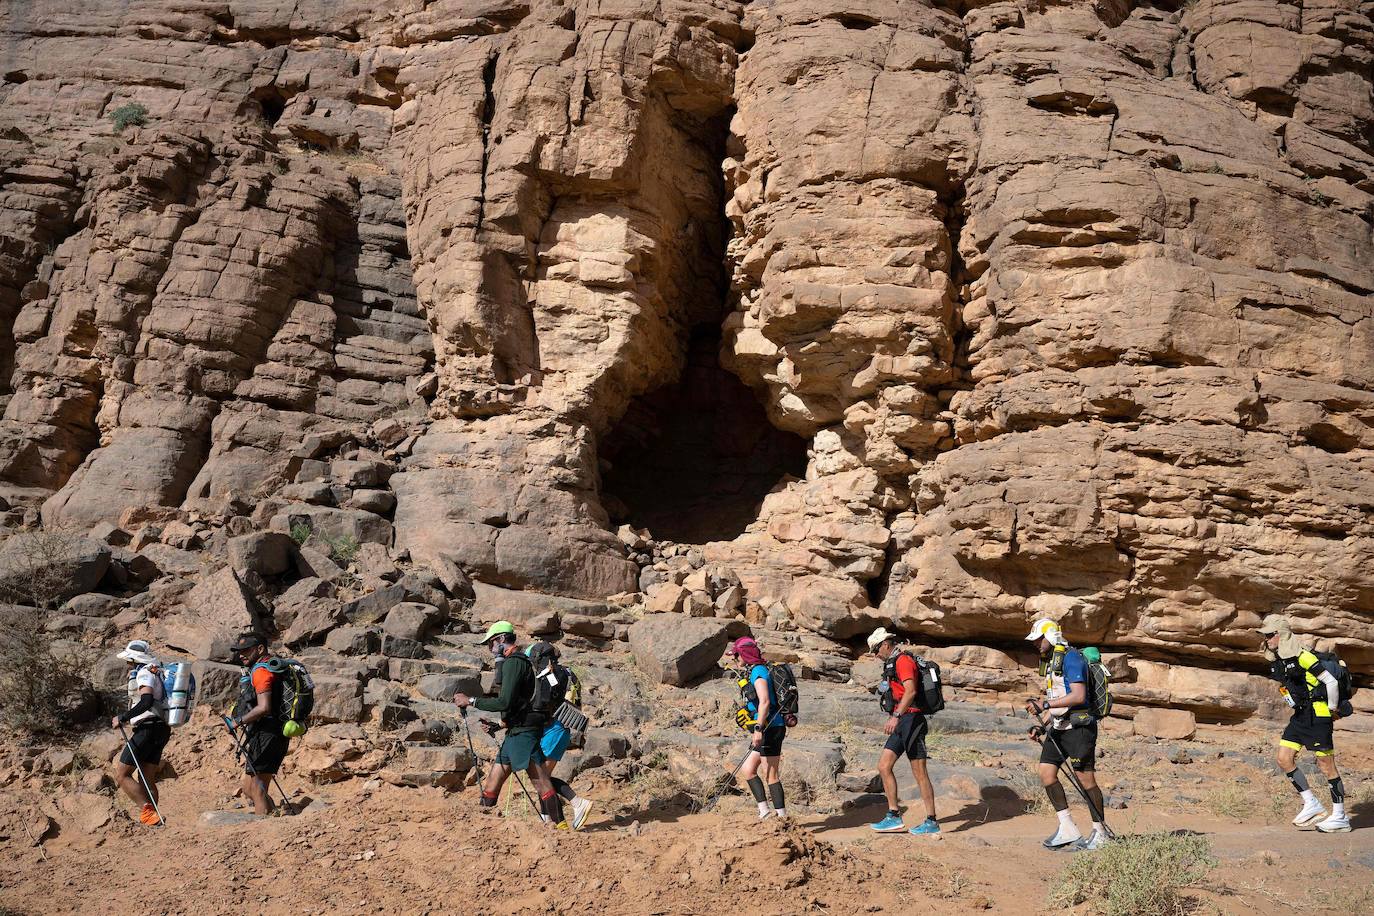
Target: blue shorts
x: 555, y: 741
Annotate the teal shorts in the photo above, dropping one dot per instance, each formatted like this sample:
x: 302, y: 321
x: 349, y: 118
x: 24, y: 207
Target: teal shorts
x: 555, y: 742
x: 520, y: 750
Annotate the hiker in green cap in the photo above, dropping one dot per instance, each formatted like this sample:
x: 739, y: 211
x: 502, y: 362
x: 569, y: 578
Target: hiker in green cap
x: 524, y: 724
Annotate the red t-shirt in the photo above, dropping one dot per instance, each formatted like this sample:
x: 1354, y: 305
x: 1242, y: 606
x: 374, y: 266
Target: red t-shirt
x: 262, y: 680
x: 906, y: 671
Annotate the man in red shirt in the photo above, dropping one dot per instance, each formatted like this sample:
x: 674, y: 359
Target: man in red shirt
x: 256, y: 719
x: 906, y: 732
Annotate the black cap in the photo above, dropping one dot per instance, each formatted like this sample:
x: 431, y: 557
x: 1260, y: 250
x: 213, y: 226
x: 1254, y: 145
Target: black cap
x: 248, y: 641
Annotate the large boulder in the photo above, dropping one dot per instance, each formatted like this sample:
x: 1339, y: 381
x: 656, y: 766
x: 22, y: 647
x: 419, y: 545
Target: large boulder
x: 267, y: 553
x: 531, y: 612
x: 1169, y: 724
x: 217, y: 685
x: 334, y: 524
x: 676, y: 650
x: 47, y: 568
x: 337, y: 699
x: 411, y: 620
x: 216, y: 611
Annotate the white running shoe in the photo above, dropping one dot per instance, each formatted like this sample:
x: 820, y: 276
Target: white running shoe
x: 1335, y: 824
x: 1094, y: 842
x: 1062, y: 837
x: 580, y: 807
x: 1311, y: 811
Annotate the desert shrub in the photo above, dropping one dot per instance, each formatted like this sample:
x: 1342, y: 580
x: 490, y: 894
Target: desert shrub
x: 45, y: 682
x: 36, y: 568
x: 653, y: 785
x: 1026, y: 785
x: 1229, y: 800
x: 130, y: 115
x: 1136, y: 874
x: 300, y: 533
x: 343, y: 549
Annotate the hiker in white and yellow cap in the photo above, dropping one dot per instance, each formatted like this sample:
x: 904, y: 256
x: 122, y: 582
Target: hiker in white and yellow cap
x: 1071, y: 734
x: 1312, y: 689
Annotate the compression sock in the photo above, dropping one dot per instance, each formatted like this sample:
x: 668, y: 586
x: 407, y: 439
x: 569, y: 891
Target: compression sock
x: 1055, y: 793
x: 1099, y: 807
x: 775, y: 794
x: 756, y: 789
x: 552, y: 806
x: 562, y: 788
x: 1337, y: 797
x: 1299, y: 780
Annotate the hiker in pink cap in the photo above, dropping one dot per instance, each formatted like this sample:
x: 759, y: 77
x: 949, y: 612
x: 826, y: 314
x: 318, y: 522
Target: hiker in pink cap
x: 761, y: 714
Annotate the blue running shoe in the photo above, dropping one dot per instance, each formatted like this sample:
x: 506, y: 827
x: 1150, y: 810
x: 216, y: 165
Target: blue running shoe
x: 889, y: 824
x: 926, y: 827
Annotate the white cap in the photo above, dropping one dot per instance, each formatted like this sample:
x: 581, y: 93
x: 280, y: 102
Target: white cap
x: 1048, y: 629
x: 138, y: 652
x: 878, y: 637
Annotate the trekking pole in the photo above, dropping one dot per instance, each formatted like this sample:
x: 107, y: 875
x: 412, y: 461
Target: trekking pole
x: 476, y: 761
x: 523, y: 788
x: 248, y: 762
x: 720, y: 789
x: 1067, y: 768
x: 528, y: 797
x: 147, y: 786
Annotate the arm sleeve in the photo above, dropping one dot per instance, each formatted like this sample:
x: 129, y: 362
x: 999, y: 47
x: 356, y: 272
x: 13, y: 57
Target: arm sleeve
x: 510, y: 682
x: 145, y: 703
x: 906, y: 669
x: 1333, y: 689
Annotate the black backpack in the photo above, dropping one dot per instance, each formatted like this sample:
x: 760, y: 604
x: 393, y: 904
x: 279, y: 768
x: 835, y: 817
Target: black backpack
x: 785, y: 692
x: 552, y: 681
x: 1345, y: 687
x: 786, y: 698
x: 293, y: 692
x: 930, y: 690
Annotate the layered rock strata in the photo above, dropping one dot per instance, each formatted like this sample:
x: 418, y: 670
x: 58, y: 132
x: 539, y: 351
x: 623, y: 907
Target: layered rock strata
x: 1071, y: 301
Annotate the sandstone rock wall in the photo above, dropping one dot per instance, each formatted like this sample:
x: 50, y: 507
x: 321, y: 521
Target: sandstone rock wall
x: 1071, y: 299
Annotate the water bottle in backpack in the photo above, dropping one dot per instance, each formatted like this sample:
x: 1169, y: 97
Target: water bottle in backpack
x: 179, y: 691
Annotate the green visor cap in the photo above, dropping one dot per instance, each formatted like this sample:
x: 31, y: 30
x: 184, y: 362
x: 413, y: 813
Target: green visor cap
x: 499, y: 628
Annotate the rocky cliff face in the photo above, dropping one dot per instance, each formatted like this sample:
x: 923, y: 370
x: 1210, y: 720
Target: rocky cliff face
x: 1052, y: 306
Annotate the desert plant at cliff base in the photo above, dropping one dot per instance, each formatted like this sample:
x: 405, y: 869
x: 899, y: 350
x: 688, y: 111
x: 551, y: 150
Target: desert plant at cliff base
x: 1136, y: 874
x: 45, y: 682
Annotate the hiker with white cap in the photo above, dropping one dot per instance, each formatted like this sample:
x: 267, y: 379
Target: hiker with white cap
x: 1066, y: 719
x: 906, y: 729
x: 142, y: 754
x: 1312, y: 687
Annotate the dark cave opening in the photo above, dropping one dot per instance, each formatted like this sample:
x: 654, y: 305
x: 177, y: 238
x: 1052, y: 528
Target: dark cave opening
x: 691, y: 461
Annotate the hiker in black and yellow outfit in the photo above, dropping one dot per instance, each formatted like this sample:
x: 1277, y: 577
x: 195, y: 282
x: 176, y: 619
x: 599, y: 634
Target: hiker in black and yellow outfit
x: 524, y: 726
x: 1313, y: 693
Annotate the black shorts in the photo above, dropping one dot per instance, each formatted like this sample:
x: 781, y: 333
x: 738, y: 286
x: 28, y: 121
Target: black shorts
x: 909, y: 737
x: 266, y: 750
x: 147, y: 740
x: 1079, y: 743
x: 772, y: 741
x: 1311, y: 731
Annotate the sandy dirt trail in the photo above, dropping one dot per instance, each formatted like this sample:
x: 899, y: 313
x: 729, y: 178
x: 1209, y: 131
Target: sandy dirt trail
x: 375, y: 848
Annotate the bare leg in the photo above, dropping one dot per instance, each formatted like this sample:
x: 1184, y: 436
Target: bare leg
x: 255, y: 789
x: 126, y: 777
x: 922, y: 774
x: 886, y: 761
